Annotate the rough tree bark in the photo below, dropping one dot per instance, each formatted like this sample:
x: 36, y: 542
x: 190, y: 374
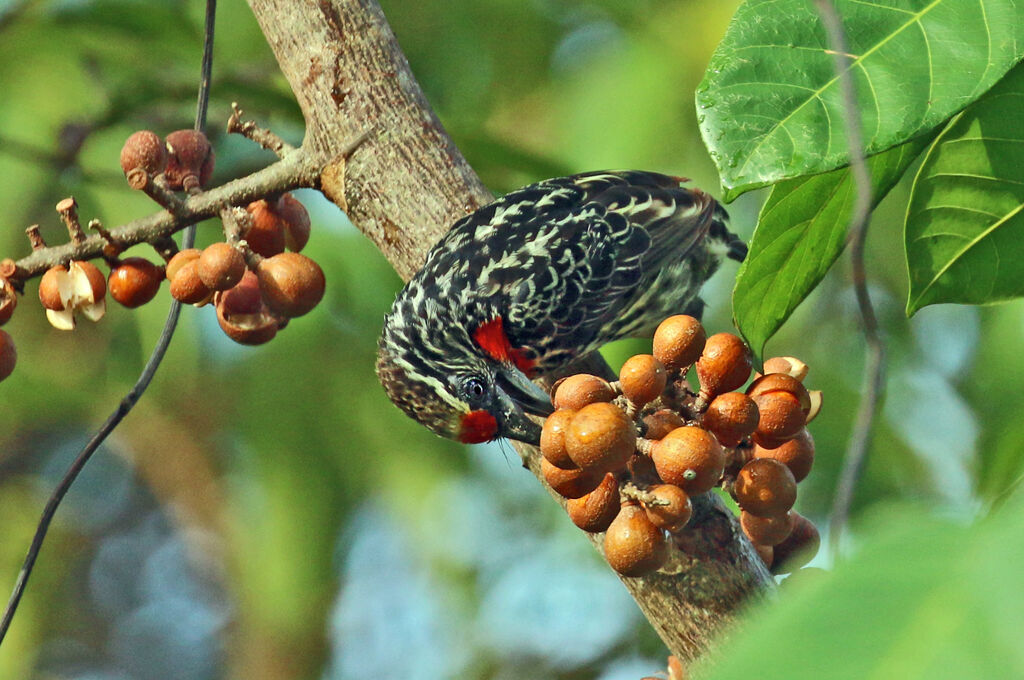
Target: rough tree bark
x: 403, y: 187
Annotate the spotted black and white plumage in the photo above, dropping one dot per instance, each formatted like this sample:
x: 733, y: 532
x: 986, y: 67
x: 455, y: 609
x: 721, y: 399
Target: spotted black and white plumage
x: 537, y: 278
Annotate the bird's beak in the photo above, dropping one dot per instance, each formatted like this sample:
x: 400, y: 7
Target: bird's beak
x: 517, y: 396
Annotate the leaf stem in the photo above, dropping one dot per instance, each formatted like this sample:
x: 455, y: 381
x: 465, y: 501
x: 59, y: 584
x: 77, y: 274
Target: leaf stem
x: 874, y: 363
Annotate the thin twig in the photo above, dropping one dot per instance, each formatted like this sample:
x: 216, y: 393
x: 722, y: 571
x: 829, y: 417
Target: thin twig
x: 133, y: 396
x: 76, y: 467
x: 874, y: 362
x: 206, y: 70
x: 250, y: 130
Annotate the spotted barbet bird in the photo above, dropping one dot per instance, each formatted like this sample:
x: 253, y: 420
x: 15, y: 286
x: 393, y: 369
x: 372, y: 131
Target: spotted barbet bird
x: 540, y: 277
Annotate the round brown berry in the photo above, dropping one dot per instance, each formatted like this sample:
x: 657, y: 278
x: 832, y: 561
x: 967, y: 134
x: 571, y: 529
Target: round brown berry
x: 8, y: 354
x: 266, y: 235
x: 797, y: 454
x: 144, y: 150
x: 254, y: 331
x: 799, y: 548
x: 577, y: 391
x: 780, y: 382
x: 766, y: 530
x: 642, y: 379
x: 780, y: 419
x: 724, y: 365
x: 765, y: 487
x: 221, y: 266
x: 791, y: 366
x: 600, y: 437
x: 295, y: 219
x: 731, y: 416
x: 570, y: 483
x: 179, y: 259
x: 242, y: 315
x: 678, y: 341
x: 55, y: 288
x: 292, y: 284
x: 633, y: 546
x: 672, y: 508
x: 661, y: 422
x: 691, y: 458
x: 135, y: 281
x: 595, y: 511
x: 187, y: 287
x: 190, y: 160
x: 552, y: 438
x: 244, y: 298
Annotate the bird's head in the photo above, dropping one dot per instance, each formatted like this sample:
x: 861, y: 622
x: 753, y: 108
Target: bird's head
x: 459, y: 384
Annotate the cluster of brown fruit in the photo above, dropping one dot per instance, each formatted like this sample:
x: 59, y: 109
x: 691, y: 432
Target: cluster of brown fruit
x: 255, y: 285
x: 254, y: 296
x: 630, y: 454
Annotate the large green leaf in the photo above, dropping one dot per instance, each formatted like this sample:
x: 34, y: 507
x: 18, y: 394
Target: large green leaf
x: 922, y: 600
x: 770, y: 105
x: 800, y: 233
x: 965, y: 224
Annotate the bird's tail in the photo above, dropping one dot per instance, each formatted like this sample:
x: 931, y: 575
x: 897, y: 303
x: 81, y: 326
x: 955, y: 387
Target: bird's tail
x: 733, y: 246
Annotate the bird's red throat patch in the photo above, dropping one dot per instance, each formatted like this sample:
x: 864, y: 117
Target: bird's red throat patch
x: 478, y: 427
x: 491, y: 338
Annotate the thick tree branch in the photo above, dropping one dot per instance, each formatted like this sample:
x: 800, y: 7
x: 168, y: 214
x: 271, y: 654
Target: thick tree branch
x: 408, y: 183
x: 403, y: 189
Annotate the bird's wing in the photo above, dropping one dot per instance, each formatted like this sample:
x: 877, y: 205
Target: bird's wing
x: 560, y: 258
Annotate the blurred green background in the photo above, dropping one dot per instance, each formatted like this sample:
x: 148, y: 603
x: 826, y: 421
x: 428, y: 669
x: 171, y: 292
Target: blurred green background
x: 265, y: 513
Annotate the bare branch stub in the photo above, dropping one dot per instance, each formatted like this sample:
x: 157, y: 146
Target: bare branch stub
x: 250, y: 130
x: 113, y: 247
x: 68, y: 211
x: 35, y: 238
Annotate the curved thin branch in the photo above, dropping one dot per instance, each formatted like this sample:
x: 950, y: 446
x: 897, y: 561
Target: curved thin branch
x: 83, y: 457
x: 156, y: 357
x: 874, y: 363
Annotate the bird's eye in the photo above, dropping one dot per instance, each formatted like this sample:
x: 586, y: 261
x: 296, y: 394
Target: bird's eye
x: 475, y: 388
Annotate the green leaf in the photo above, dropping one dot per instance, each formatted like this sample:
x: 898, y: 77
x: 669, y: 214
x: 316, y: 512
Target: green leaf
x: 921, y: 600
x: 801, y: 231
x: 770, y: 106
x: 965, y: 224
